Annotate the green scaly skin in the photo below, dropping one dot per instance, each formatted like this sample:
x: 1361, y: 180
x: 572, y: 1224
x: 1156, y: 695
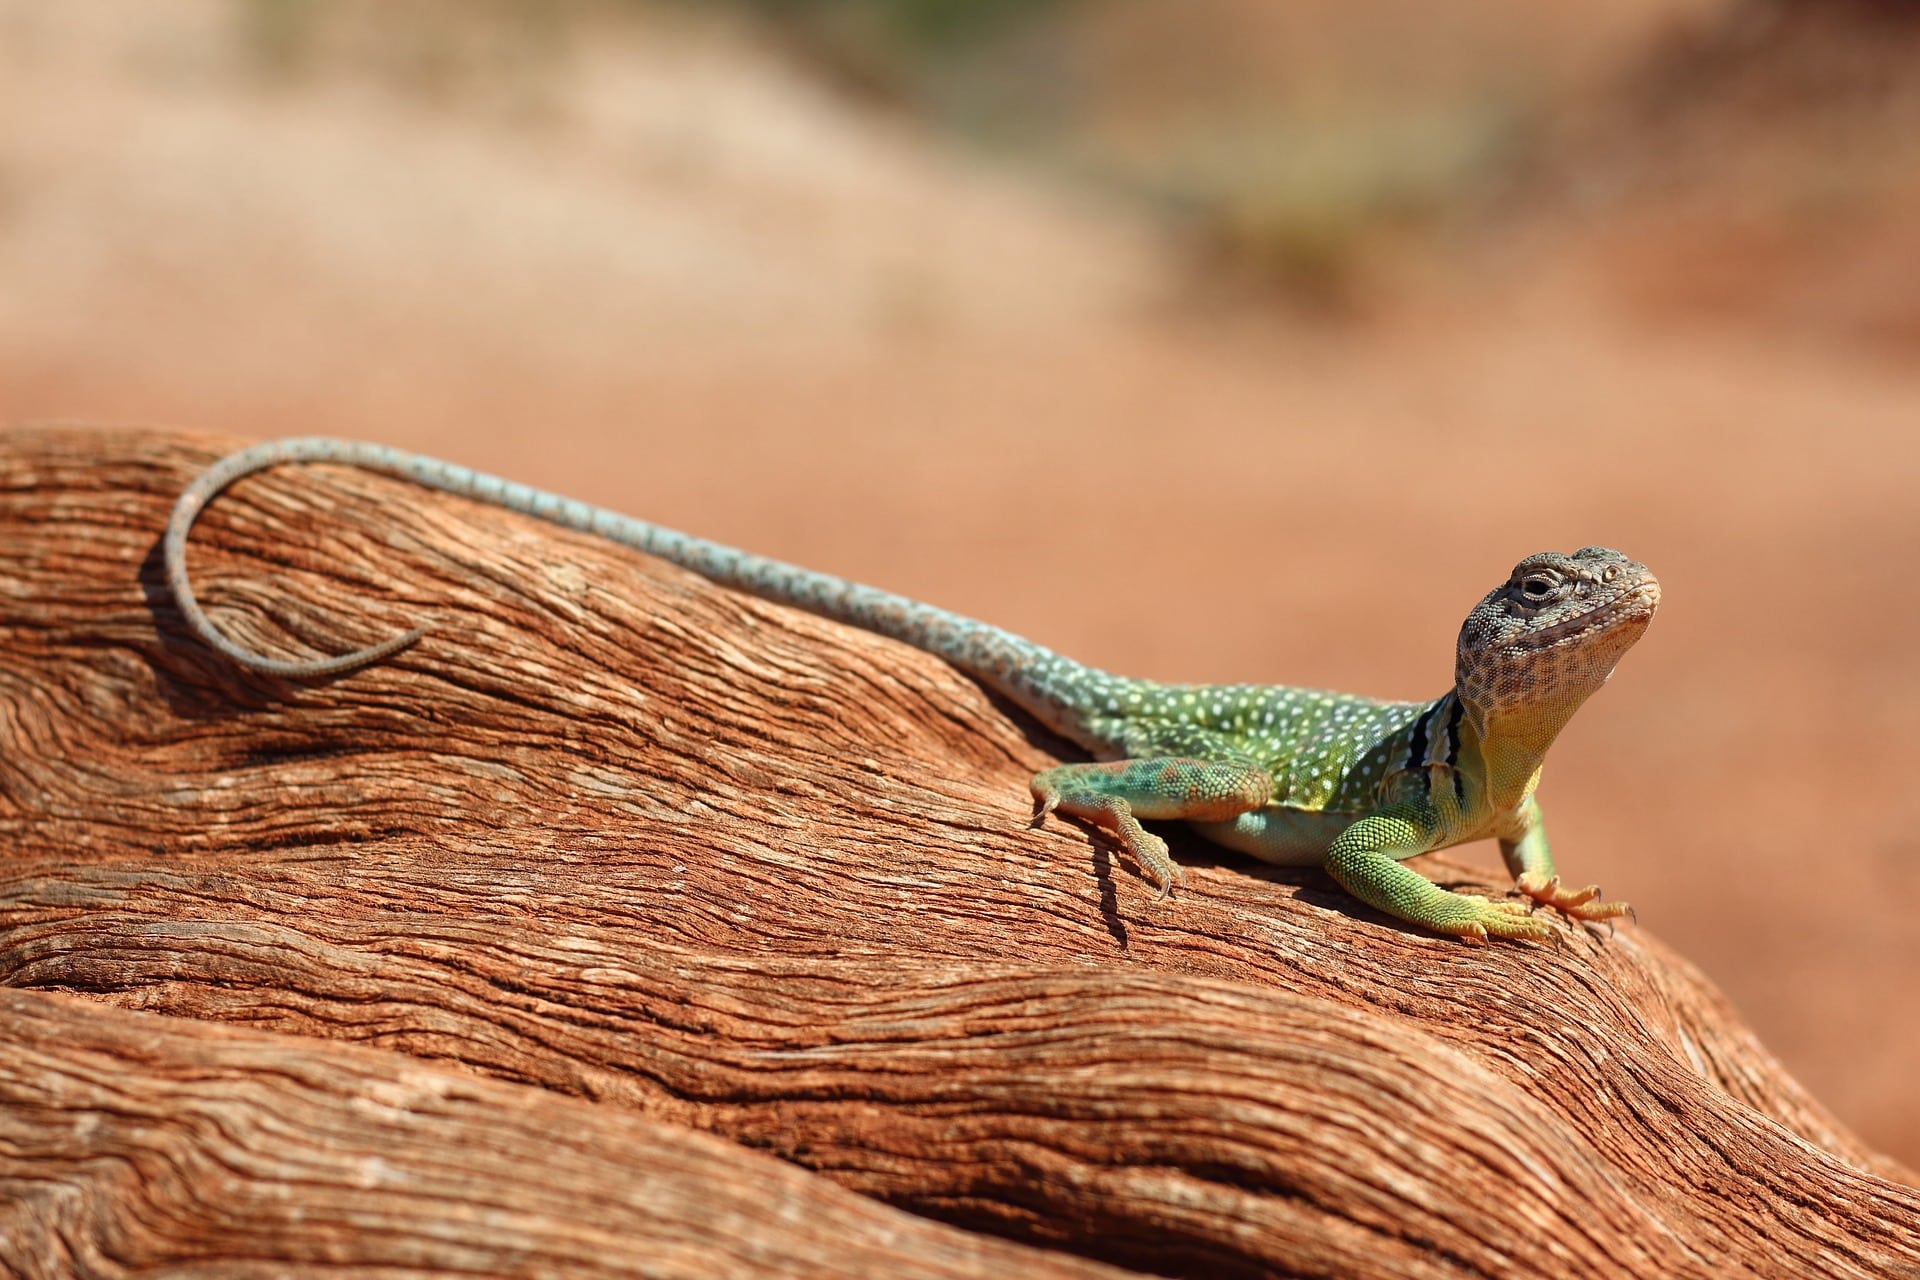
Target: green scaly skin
x: 1297, y: 777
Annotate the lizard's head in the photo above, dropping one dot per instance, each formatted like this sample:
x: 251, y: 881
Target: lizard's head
x: 1549, y: 636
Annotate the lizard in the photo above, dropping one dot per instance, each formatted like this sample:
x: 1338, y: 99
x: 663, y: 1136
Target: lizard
x: 1291, y: 776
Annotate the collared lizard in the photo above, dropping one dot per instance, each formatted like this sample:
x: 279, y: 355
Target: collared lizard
x: 1297, y: 777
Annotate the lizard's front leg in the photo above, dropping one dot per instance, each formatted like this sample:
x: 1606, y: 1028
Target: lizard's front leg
x: 1365, y: 859
x: 1117, y: 795
x: 1524, y: 847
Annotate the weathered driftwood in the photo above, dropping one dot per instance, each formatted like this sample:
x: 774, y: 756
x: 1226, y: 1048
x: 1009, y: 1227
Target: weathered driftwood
x: 656, y: 858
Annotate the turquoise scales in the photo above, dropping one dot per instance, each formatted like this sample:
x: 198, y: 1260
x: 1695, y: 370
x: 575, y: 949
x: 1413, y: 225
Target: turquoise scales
x: 1293, y: 776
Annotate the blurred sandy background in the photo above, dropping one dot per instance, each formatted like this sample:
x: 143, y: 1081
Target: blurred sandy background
x: 1226, y: 340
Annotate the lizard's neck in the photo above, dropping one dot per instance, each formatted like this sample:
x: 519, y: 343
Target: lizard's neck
x: 1512, y: 743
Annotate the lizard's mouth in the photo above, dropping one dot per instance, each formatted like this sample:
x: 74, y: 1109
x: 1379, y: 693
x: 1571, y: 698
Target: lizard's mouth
x: 1635, y: 605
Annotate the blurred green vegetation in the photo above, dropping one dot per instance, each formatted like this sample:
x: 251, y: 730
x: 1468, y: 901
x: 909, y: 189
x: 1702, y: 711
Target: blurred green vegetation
x: 912, y: 30
x: 446, y: 49
x: 1288, y: 168
x: 1280, y: 191
x: 996, y: 72
x: 1301, y: 206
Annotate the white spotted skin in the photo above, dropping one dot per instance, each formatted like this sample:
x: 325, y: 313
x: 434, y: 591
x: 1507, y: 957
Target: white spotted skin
x: 1326, y: 751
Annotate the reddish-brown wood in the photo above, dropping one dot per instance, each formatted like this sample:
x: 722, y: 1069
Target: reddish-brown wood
x: 701, y: 862
x: 130, y: 1142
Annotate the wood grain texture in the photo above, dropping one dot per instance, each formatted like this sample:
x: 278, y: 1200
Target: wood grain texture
x: 701, y: 862
x: 130, y: 1143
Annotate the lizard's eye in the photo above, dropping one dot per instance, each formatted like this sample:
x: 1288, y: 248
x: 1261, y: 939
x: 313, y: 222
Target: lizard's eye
x: 1613, y: 571
x: 1537, y: 587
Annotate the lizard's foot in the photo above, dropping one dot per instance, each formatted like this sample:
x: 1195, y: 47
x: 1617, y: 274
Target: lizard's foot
x: 1151, y: 852
x: 1496, y: 919
x: 1581, y: 904
x: 1148, y: 849
x: 1116, y: 794
x: 1387, y: 884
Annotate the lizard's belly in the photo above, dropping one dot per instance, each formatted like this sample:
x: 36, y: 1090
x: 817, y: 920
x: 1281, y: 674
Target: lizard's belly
x: 1280, y: 835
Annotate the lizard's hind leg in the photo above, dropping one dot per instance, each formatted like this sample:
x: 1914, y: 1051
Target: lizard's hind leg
x: 1117, y: 795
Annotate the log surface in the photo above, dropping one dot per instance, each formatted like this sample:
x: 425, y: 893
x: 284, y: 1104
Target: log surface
x: 654, y: 873
x: 130, y: 1142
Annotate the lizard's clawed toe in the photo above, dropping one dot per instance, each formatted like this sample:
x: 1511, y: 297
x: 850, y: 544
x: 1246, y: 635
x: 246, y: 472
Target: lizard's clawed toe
x: 1490, y: 919
x: 1156, y: 859
x: 1580, y: 904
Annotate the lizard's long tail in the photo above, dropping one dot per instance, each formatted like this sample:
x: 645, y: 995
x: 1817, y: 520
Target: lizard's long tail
x: 1057, y: 690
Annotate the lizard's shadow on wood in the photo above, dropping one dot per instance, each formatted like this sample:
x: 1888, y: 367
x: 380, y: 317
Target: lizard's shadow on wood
x: 1105, y: 850
x: 1311, y: 886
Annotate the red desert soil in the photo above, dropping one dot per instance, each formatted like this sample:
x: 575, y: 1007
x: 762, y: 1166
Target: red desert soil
x: 681, y: 280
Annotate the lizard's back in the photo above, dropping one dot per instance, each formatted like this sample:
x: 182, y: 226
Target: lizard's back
x: 1326, y: 751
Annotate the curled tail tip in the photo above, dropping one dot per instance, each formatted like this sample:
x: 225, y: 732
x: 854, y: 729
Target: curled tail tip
x: 372, y: 653
x: 317, y: 668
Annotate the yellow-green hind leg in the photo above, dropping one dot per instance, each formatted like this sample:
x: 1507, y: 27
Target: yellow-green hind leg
x: 1365, y: 859
x: 1530, y: 861
x: 1117, y: 795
